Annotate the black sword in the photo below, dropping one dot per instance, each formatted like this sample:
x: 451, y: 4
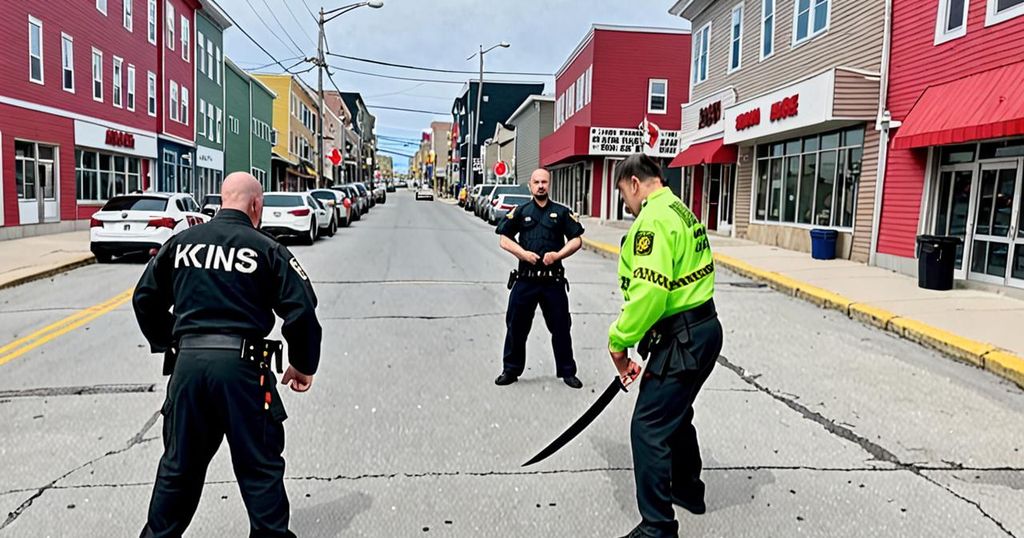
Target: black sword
x: 581, y: 424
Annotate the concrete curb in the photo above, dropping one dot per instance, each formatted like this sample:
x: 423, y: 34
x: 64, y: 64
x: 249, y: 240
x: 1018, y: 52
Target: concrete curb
x: 46, y: 273
x: 998, y: 361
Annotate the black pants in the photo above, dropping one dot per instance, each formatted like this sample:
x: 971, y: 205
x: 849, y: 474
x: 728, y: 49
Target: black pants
x: 666, y: 455
x: 214, y: 393
x: 554, y: 304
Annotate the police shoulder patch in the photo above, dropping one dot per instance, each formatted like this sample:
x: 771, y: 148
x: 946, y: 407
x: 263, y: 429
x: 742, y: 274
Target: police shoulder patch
x: 574, y: 216
x: 294, y: 262
x: 511, y: 213
x: 643, y: 243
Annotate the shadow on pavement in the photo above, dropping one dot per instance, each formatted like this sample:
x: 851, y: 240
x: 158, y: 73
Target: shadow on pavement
x: 331, y: 518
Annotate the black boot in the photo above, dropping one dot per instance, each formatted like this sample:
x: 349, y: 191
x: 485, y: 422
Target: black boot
x: 505, y: 379
x: 573, y: 382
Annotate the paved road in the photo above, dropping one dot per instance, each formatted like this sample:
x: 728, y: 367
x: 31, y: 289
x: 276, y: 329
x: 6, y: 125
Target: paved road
x: 812, y: 425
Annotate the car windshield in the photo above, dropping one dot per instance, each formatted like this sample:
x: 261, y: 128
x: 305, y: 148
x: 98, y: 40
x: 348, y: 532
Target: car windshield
x: 487, y: 189
x: 511, y: 189
x: 323, y: 195
x: 514, y: 199
x: 212, y: 199
x: 136, y: 203
x: 282, y: 200
x: 361, y: 189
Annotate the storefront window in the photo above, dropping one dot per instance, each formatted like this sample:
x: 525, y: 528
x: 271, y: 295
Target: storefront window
x: 958, y: 154
x: 101, y: 176
x: 1002, y: 149
x: 811, y: 180
x: 34, y: 170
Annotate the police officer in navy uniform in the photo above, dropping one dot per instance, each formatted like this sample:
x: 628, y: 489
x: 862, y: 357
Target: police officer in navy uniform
x: 548, y: 233
x: 225, y: 281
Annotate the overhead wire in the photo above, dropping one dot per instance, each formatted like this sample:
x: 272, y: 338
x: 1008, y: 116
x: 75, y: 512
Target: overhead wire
x: 267, y: 26
x: 437, y: 70
x: 280, y: 25
x: 288, y: 7
x: 257, y: 43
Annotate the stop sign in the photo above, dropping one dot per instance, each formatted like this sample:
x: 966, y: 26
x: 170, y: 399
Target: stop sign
x: 500, y: 169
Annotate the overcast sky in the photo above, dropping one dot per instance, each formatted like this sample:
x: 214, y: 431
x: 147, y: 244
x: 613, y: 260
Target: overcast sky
x: 429, y: 33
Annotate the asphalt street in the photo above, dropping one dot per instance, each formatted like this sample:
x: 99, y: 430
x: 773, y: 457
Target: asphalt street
x: 811, y: 424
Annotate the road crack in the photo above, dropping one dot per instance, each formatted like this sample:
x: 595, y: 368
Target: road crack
x: 124, y: 388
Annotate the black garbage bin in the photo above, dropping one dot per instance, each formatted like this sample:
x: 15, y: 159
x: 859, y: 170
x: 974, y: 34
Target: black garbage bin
x: 936, y: 260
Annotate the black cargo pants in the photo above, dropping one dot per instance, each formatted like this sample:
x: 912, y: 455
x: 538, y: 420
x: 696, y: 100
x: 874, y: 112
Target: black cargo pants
x: 213, y: 394
x: 526, y: 295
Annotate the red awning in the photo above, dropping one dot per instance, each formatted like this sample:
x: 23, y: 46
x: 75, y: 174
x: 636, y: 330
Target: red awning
x: 713, y: 152
x: 986, y: 105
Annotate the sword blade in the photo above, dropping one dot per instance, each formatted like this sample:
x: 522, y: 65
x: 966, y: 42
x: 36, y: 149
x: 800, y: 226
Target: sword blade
x: 581, y: 423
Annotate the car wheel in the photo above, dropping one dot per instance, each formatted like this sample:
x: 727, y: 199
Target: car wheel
x: 333, y: 228
x: 310, y: 238
x: 104, y: 258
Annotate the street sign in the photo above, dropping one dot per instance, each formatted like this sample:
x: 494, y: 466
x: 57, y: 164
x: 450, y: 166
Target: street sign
x: 478, y: 165
x: 501, y: 169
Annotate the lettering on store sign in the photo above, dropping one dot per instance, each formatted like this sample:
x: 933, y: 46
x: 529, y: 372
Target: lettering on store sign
x: 121, y: 139
x: 616, y: 141
x: 710, y: 115
x: 748, y: 119
x: 786, y: 108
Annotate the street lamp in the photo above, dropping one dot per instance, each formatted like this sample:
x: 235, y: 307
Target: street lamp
x: 326, y: 17
x: 479, y: 98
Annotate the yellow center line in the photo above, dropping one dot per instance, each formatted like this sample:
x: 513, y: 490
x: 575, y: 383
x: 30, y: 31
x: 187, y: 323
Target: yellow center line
x: 27, y: 343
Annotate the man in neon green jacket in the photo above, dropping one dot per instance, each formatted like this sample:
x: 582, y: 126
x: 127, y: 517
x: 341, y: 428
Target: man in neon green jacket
x: 667, y: 276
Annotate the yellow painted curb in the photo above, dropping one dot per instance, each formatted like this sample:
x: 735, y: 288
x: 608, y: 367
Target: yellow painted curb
x: 872, y: 315
x: 601, y: 247
x: 962, y: 348
x: 1006, y: 365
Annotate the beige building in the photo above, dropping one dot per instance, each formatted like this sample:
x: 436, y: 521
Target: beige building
x: 779, y: 129
x: 441, y: 139
x: 295, y: 118
x: 500, y: 147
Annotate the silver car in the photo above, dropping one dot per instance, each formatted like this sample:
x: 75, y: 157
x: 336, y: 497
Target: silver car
x: 503, y: 204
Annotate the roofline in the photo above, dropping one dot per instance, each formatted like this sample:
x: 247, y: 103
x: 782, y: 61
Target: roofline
x: 527, y: 102
x: 216, y: 13
x: 231, y: 64
x: 615, y: 28
x: 465, y: 87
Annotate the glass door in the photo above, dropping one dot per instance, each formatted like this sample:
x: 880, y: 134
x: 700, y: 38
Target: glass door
x: 953, y: 209
x: 713, y: 193
x: 996, y: 222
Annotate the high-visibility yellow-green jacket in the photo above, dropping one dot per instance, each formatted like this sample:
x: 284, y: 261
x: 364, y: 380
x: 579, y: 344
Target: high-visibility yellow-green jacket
x: 665, y: 267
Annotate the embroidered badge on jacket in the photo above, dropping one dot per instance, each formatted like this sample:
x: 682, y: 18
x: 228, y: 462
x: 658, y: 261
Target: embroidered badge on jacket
x: 643, y: 243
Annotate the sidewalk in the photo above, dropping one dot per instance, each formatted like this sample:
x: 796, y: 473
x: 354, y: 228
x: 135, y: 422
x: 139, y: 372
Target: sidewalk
x: 976, y: 326
x: 33, y: 258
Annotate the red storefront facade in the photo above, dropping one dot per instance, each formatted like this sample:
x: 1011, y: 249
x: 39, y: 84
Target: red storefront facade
x: 75, y: 126
x: 618, y: 93
x: 954, y: 163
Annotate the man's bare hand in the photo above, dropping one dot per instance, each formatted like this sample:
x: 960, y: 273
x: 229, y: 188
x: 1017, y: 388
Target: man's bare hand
x: 550, y: 258
x: 628, y: 370
x: 531, y: 257
x: 296, y: 380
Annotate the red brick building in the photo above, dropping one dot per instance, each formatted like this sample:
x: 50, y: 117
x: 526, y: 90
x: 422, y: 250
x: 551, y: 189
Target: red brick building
x: 619, y: 92
x: 955, y: 152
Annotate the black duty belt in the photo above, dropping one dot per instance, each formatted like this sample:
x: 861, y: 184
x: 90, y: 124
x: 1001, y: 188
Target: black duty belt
x: 554, y: 273
x: 255, y: 350
x: 681, y: 321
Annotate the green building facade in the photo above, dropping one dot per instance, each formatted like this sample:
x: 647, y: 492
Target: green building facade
x: 250, y: 136
x: 209, y: 99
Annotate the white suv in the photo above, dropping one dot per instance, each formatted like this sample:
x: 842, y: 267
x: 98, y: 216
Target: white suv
x: 294, y: 214
x: 140, y: 223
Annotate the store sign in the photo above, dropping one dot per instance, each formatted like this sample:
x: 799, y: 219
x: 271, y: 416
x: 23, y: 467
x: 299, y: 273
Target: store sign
x: 209, y: 158
x: 616, y: 141
x: 120, y: 138
x: 704, y: 119
x: 710, y: 115
x: 805, y: 104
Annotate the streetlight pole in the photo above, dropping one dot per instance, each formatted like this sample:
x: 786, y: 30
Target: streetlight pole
x: 474, y: 128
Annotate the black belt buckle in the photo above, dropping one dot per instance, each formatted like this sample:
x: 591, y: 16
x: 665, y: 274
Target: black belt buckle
x: 263, y: 352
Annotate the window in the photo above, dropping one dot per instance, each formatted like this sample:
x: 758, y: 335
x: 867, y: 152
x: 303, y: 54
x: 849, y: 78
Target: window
x: 657, y: 96
x: 173, y: 107
x: 97, y: 75
x: 151, y: 93
x: 201, y: 52
x: 101, y: 176
x: 1003, y: 10
x: 220, y: 62
x: 151, y: 21
x: 128, y: 22
x: 131, y: 87
x: 101, y: 5
x: 34, y: 171
x: 810, y: 20
x: 169, y: 23
x: 35, y: 50
x: 118, y: 62
x: 951, y: 20
x: 810, y: 181
x: 67, y: 65
x: 210, y: 120
x: 209, y: 58
x: 184, y: 105
x: 767, y: 28
x: 201, y: 126
x: 186, y: 39
x: 220, y: 124
x: 700, y: 54
x: 736, y: 39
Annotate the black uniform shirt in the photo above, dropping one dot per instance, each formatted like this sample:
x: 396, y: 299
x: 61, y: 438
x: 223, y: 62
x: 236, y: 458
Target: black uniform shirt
x: 227, y: 277
x: 540, y: 229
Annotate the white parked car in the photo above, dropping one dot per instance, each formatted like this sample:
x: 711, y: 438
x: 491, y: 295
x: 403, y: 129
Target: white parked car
x: 338, y: 202
x: 140, y: 223
x: 424, y: 193
x: 294, y: 214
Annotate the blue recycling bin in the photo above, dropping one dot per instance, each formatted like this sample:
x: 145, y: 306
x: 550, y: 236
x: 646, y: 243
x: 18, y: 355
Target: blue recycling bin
x: 823, y: 244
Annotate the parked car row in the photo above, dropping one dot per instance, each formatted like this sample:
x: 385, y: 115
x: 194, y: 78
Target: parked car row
x: 139, y: 224
x: 491, y: 201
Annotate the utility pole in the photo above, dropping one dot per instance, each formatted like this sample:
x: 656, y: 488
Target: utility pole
x: 475, y: 126
x: 320, y: 96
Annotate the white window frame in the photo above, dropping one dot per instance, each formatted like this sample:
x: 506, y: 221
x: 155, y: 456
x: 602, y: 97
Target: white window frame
x: 101, y: 6
x: 173, y: 102
x: 129, y: 23
x: 186, y: 39
x: 67, y: 61
x: 170, y: 21
x: 734, y: 38
x: 201, y: 124
x: 151, y: 26
x: 992, y: 17
x: 117, y: 91
x: 185, y: 108
x: 151, y: 93
x: 942, y: 17
x: 220, y: 61
x: 210, y: 120
x: 220, y: 124
x: 209, y: 58
x: 97, y: 60
x: 32, y: 21
x: 764, y: 18
x: 650, y: 94
x: 811, y: 33
x: 201, y: 52
x: 130, y: 102
x: 703, y: 44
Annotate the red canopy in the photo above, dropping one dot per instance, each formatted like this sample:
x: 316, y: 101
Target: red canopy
x: 713, y: 152
x: 977, y: 107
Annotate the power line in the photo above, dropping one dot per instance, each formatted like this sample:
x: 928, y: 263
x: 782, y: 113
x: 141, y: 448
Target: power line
x: 302, y: 58
x: 414, y: 110
x: 395, y: 153
x: 257, y: 43
x: 437, y: 70
x: 288, y: 8
x: 267, y: 26
x: 396, y: 77
x: 286, y: 32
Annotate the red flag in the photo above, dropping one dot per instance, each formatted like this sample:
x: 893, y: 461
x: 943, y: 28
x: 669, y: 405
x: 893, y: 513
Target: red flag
x: 335, y: 157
